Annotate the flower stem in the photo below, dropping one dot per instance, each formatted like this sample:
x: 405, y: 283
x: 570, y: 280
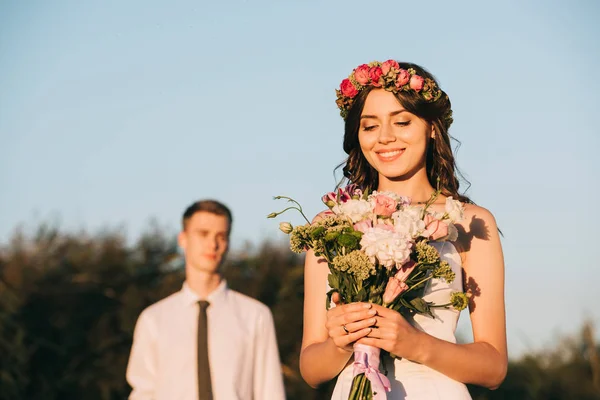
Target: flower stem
x: 418, y: 283
x: 431, y: 200
x: 367, y: 392
x: 299, y: 208
x: 361, y: 389
x: 440, y: 305
x: 355, y: 391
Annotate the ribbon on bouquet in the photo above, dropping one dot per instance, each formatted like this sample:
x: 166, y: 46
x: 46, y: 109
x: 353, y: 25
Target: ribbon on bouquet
x: 366, y: 361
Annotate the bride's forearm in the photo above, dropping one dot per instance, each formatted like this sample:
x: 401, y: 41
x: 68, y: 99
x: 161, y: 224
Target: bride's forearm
x: 476, y: 363
x: 321, y: 362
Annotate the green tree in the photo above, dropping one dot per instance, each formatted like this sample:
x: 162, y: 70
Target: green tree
x: 69, y: 303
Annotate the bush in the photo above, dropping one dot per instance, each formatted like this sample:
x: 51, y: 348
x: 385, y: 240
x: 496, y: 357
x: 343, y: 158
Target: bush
x: 70, y: 302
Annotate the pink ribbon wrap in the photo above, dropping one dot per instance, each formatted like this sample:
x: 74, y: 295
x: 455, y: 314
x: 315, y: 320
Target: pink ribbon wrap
x: 366, y: 361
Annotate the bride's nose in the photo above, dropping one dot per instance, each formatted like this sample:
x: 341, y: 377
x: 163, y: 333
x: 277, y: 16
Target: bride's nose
x: 386, y: 134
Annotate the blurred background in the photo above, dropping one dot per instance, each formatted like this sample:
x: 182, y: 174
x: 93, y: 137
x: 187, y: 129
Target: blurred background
x: 116, y: 115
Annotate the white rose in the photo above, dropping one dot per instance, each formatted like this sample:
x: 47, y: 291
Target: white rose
x: 387, y: 247
x: 408, y: 221
x: 356, y: 210
x: 454, y: 209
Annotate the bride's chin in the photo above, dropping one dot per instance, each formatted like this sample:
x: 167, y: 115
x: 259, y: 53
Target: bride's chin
x: 395, y: 174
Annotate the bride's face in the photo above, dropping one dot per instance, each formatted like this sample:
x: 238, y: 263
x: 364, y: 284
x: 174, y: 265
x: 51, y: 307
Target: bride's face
x: 393, y: 140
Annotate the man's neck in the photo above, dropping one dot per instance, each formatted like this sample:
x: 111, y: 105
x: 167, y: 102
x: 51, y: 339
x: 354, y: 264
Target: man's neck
x: 203, y: 284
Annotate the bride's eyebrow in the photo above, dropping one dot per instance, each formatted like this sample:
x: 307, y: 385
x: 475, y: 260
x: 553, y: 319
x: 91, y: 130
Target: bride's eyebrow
x: 393, y: 113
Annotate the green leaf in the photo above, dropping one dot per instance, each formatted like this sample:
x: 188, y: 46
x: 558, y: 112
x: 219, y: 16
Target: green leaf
x: 315, y: 233
x: 356, y: 234
x: 421, y: 305
x: 334, y: 281
x: 348, y: 240
x: 376, y: 294
x: 361, y: 295
x: 331, y: 236
x: 405, y: 304
x: 328, y: 300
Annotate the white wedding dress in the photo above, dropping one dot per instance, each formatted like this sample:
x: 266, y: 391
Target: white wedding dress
x: 413, y: 381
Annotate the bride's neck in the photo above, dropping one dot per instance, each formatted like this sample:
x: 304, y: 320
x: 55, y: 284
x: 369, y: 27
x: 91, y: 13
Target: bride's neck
x: 417, y: 188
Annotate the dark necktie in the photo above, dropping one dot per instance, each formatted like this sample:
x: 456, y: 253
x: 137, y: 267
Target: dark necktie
x: 204, y: 385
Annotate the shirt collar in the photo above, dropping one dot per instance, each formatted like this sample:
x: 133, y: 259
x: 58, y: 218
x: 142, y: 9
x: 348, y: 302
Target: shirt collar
x: 215, y: 297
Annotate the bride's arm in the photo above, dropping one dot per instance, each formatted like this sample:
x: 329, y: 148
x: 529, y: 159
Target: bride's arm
x: 326, y: 348
x: 483, y: 362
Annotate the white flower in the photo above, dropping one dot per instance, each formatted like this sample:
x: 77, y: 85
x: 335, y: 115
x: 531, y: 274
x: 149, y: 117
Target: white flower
x: 408, y: 221
x: 356, y: 210
x: 454, y: 209
x: 387, y: 247
x: 286, y: 227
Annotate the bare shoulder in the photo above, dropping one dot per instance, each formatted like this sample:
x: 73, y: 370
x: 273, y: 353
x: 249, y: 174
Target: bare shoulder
x: 478, y: 226
x: 474, y: 212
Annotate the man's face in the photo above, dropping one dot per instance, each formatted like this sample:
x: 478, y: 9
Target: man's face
x: 205, y: 241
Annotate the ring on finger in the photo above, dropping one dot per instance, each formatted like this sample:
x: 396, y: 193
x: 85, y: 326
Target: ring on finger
x: 345, y: 329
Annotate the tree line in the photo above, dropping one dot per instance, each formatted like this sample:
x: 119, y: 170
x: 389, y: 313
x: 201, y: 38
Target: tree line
x: 69, y: 302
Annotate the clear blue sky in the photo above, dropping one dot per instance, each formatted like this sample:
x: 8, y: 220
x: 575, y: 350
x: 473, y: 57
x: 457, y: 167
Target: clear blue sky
x: 113, y: 112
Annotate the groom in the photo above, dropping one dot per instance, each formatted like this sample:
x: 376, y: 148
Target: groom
x: 205, y: 341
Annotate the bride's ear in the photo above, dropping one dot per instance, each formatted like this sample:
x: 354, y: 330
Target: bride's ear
x: 433, y: 132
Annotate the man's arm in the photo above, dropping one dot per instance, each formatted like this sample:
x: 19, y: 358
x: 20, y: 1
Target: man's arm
x: 141, y: 370
x: 268, y: 379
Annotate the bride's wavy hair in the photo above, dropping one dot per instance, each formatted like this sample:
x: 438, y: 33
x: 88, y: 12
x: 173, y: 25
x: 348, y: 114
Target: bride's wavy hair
x: 440, y: 163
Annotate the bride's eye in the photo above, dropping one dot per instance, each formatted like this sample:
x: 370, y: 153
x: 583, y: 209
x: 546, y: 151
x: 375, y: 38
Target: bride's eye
x: 369, y: 128
x: 403, y: 123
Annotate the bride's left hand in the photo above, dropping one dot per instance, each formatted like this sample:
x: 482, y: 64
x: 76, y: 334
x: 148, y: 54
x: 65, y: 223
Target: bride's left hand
x: 393, y: 334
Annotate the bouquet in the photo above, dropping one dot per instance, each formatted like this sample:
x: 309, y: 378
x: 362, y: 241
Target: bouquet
x: 377, y: 249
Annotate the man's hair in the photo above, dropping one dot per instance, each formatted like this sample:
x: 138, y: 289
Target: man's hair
x: 210, y: 206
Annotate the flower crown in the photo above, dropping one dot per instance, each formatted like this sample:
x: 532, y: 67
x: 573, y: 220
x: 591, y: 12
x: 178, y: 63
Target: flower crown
x: 387, y: 75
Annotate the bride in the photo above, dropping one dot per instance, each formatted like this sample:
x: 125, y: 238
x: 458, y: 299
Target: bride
x: 396, y: 137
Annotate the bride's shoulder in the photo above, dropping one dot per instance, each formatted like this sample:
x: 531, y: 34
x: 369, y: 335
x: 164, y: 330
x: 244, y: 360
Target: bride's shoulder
x: 474, y: 210
x: 476, y: 217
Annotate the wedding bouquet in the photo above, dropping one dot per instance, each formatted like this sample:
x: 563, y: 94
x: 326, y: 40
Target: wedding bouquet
x: 377, y: 249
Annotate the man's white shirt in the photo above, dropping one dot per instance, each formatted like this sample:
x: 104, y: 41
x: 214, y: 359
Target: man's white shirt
x: 242, y: 349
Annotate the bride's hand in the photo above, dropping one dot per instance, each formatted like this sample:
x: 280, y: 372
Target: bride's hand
x: 347, y: 323
x: 392, y: 333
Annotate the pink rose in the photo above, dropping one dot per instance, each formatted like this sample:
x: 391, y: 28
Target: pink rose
x: 385, y: 206
x: 363, y: 225
x: 388, y: 65
x: 361, y: 74
x: 348, y: 89
x: 405, y: 270
x: 434, y: 228
x: 416, y: 82
x: 375, y: 73
x: 402, y: 78
x: 393, y: 289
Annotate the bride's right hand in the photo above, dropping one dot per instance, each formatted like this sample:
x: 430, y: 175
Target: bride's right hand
x: 356, y: 318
